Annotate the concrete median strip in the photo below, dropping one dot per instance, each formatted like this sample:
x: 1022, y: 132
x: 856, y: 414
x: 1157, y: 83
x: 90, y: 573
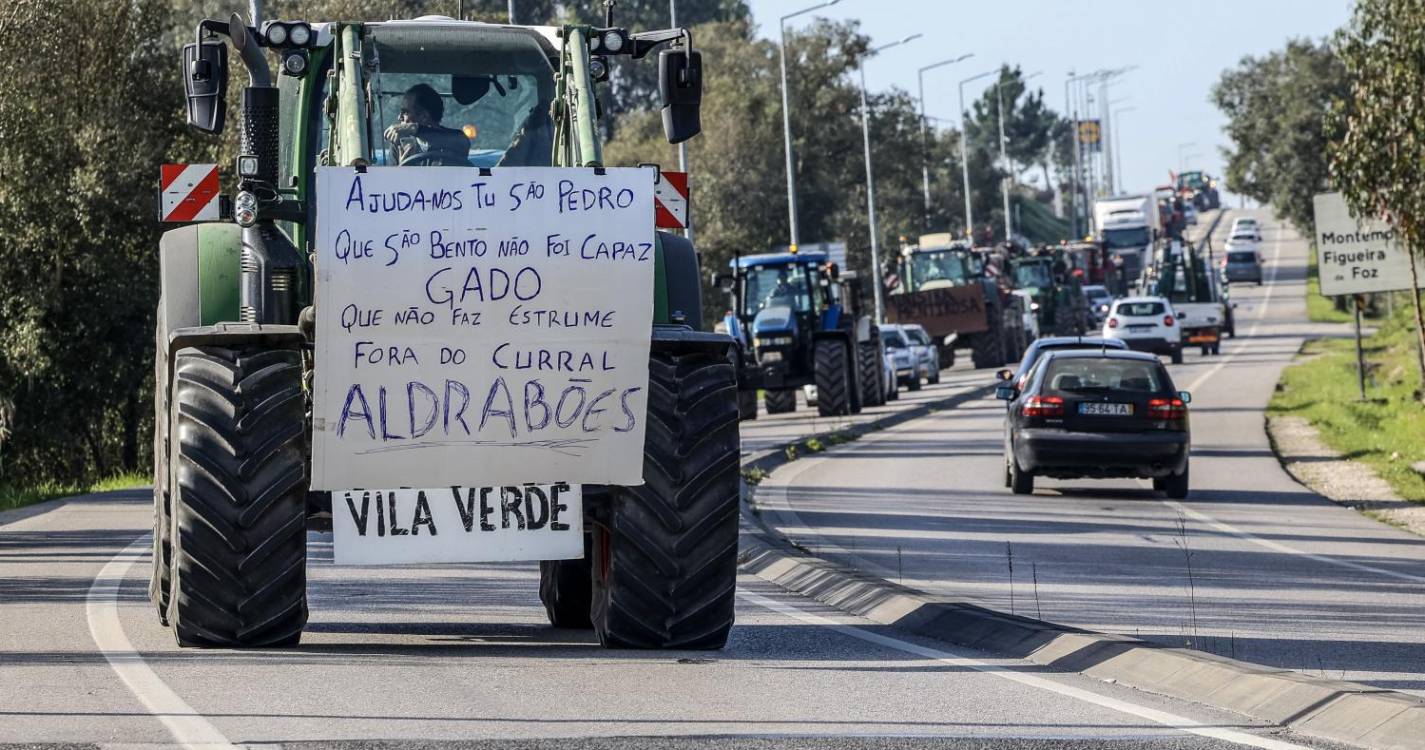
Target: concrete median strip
x: 1337, y: 711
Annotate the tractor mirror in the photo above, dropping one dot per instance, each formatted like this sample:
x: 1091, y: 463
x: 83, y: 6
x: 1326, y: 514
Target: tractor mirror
x: 205, y: 83
x: 1005, y: 393
x: 680, y: 88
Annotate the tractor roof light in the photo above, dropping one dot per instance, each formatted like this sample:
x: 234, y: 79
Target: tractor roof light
x: 300, y: 34
x: 275, y: 32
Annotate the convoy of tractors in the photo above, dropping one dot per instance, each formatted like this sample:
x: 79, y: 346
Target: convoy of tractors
x: 240, y: 364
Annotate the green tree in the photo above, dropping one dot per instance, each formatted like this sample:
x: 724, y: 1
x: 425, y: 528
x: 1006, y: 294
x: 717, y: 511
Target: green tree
x: 1376, y: 159
x: 85, y: 120
x: 1275, y: 107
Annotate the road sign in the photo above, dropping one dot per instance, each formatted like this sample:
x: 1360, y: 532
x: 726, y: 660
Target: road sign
x: 1356, y: 257
x: 1089, y: 132
x: 670, y: 201
x: 188, y: 192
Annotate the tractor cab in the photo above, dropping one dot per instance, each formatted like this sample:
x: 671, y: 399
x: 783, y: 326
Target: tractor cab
x: 925, y: 267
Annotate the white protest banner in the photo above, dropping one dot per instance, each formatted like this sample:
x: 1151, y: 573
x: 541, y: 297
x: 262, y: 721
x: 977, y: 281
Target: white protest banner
x: 458, y: 524
x: 481, y: 330
x: 1356, y: 257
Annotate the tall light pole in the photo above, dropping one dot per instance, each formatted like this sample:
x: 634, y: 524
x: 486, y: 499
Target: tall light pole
x: 1181, y: 148
x: 512, y: 12
x: 787, y: 123
x: 1008, y: 181
x: 871, y: 181
x: 1118, y: 143
x: 924, y: 137
x: 965, y: 158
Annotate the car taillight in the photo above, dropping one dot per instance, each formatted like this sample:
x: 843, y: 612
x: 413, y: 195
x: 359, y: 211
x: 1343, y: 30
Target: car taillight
x: 1168, y: 321
x: 1043, y: 406
x: 1167, y: 408
x: 1113, y: 322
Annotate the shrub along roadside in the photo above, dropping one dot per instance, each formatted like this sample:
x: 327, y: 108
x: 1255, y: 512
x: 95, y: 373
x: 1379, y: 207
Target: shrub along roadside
x: 1383, y: 431
x: 13, y: 496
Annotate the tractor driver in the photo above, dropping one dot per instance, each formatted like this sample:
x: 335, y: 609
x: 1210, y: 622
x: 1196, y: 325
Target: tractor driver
x: 419, y: 138
x: 784, y: 293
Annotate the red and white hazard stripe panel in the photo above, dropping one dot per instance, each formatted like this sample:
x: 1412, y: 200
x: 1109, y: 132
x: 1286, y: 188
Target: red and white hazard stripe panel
x: 188, y: 192
x: 670, y: 201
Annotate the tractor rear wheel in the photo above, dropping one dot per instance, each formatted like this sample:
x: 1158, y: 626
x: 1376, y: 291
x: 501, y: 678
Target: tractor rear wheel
x: 665, y: 554
x: 746, y: 406
x: 873, y: 382
x: 987, y: 349
x: 566, y: 587
x: 238, y: 492
x: 780, y: 402
x: 833, y: 378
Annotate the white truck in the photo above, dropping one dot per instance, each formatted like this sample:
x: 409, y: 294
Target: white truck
x: 1128, y: 225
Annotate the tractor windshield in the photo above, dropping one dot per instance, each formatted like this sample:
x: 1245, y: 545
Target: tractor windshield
x: 786, y: 285
x: 937, y: 268
x: 1032, y: 276
x: 459, y: 95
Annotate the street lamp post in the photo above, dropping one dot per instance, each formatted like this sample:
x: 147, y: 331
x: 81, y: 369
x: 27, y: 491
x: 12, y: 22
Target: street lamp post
x: 924, y: 137
x: 965, y: 158
x: 1182, y: 147
x: 871, y: 182
x: 787, y: 122
x: 1118, y: 143
x: 1008, y: 182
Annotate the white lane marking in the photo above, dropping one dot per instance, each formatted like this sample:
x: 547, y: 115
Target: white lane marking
x: 1028, y: 680
x: 188, y: 727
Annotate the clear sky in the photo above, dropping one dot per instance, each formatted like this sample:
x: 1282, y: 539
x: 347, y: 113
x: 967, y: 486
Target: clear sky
x: 1180, y: 49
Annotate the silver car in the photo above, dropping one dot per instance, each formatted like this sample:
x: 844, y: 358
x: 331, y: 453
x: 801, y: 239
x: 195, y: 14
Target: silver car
x: 907, y: 362
x: 926, y: 351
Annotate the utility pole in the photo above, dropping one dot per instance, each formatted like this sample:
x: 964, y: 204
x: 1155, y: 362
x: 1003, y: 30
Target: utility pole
x: 965, y: 156
x: 924, y: 131
x: 787, y: 124
x: 1003, y: 157
x: 876, y: 284
x: 1118, y: 144
x: 512, y: 12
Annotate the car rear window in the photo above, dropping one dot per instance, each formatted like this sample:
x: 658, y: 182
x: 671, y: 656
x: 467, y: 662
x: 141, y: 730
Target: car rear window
x: 1091, y: 375
x: 1140, y: 309
x: 1246, y: 256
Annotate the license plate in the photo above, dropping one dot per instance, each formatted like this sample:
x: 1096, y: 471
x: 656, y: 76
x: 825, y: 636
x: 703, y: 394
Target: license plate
x: 1202, y: 338
x: 1140, y: 329
x: 458, y: 524
x: 1096, y: 409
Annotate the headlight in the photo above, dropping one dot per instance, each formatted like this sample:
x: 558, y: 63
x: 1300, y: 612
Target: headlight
x: 613, y: 41
x: 245, y: 201
x: 773, y: 341
x: 1034, y: 306
x: 771, y: 356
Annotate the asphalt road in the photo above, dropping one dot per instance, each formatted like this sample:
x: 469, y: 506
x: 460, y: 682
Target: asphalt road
x: 1251, y: 565
x: 417, y: 656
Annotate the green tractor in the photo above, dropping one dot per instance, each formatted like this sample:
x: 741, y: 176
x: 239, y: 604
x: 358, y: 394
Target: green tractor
x: 1059, y: 302
x: 241, y: 415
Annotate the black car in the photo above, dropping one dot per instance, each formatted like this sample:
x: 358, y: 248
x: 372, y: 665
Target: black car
x: 1040, y: 347
x: 1097, y: 413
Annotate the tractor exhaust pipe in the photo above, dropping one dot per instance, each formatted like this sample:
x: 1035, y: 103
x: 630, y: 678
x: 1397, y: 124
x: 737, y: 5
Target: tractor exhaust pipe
x: 270, y: 262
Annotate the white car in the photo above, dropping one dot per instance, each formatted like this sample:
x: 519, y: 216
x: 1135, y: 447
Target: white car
x: 1031, y: 317
x: 1245, y: 230
x: 909, y: 368
x: 1147, y: 324
x: 926, y: 350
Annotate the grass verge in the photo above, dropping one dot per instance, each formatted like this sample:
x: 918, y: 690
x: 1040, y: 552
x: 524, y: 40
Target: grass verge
x: 18, y: 496
x: 1320, y: 309
x: 1384, y: 430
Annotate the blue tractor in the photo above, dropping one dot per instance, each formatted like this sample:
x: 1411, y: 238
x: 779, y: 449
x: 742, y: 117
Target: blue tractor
x: 799, y: 321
